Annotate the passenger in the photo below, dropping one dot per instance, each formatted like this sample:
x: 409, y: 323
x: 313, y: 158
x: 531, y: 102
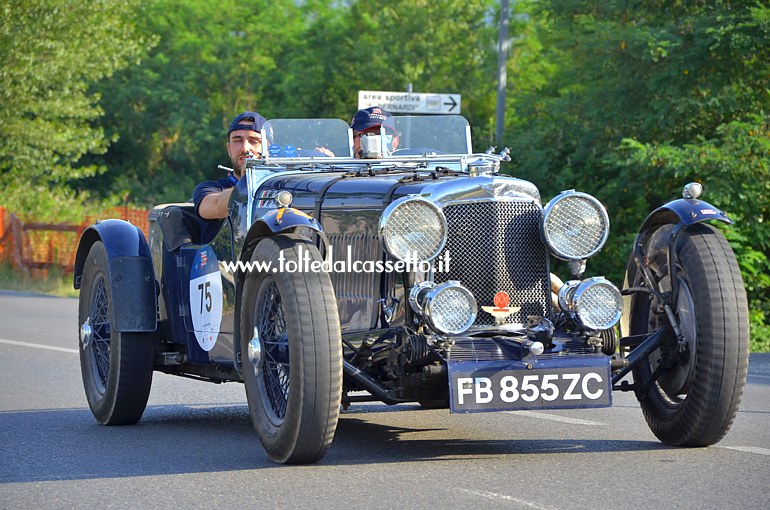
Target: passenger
x: 211, y: 197
x: 367, y: 122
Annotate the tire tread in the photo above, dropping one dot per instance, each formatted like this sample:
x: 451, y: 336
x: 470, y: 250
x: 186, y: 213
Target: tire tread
x: 721, y: 353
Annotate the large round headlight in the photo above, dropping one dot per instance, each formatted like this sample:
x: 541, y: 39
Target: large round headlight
x: 575, y: 226
x: 413, y: 229
x: 595, y: 303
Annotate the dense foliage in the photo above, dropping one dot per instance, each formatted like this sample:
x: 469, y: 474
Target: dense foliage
x: 215, y: 59
x: 626, y: 100
x: 52, y: 51
x: 643, y: 97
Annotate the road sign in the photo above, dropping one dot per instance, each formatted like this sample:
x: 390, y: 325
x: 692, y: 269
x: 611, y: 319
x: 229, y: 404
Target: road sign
x: 410, y: 102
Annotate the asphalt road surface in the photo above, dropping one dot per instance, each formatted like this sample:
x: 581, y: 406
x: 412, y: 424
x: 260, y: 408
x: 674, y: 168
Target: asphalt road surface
x: 195, y: 446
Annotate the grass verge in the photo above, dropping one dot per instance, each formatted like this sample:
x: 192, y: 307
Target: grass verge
x: 55, y: 283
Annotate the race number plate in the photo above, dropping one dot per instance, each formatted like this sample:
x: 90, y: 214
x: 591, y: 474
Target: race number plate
x: 560, y: 383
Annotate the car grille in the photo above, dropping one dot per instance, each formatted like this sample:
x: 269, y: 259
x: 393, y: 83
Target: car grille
x: 357, y: 292
x: 487, y: 349
x: 496, y: 246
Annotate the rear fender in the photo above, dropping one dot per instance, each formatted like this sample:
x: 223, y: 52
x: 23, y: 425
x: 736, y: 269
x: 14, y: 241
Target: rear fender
x: 131, y: 275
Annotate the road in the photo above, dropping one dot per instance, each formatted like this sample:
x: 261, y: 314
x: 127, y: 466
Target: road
x: 195, y: 446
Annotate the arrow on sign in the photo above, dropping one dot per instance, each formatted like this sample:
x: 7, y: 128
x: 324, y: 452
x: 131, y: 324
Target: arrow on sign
x: 453, y: 103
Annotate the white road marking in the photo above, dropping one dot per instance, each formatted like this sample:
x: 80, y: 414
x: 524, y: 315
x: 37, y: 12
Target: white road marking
x: 760, y: 376
x: 748, y: 449
x: 208, y: 406
x: 553, y: 417
x: 39, y: 346
x: 494, y: 495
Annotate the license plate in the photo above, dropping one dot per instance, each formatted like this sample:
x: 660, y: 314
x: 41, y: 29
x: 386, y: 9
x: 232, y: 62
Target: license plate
x: 555, y: 383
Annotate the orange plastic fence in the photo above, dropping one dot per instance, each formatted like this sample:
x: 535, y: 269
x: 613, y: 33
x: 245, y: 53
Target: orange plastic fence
x: 38, y: 247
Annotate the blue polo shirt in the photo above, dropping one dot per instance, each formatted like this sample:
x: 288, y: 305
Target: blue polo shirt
x: 209, y: 228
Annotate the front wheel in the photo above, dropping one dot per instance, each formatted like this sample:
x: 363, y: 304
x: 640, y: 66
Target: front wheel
x: 116, y: 367
x: 292, y: 353
x: 694, y: 400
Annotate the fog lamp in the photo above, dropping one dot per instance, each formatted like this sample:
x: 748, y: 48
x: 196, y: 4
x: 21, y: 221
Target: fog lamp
x: 448, y: 308
x: 594, y: 303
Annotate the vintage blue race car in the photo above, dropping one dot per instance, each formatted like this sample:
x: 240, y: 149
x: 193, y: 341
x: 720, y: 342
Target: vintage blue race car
x: 422, y: 275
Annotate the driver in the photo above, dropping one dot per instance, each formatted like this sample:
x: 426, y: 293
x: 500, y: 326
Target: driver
x: 211, y: 197
x: 366, y: 123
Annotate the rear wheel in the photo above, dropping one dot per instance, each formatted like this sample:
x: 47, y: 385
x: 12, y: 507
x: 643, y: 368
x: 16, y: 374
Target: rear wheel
x: 292, y: 353
x: 695, y: 398
x: 116, y: 367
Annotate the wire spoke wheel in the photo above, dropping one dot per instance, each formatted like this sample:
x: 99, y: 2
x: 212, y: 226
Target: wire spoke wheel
x: 292, y: 354
x: 116, y: 367
x: 272, y: 331
x: 100, y: 344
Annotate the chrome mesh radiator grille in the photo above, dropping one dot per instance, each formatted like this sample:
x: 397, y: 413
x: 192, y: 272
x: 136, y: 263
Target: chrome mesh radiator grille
x: 496, y: 246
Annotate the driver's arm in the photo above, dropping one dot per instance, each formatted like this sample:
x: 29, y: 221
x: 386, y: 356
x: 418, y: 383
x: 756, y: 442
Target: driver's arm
x: 214, y: 205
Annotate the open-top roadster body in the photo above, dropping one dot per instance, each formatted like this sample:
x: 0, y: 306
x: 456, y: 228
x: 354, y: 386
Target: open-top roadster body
x: 423, y: 275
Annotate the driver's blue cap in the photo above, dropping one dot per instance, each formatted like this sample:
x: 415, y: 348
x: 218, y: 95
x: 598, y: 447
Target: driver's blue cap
x: 372, y: 117
x: 251, y: 121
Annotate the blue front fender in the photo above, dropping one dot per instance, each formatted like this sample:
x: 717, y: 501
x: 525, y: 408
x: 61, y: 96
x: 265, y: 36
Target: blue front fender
x: 687, y: 211
x: 131, y: 275
x: 277, y: 221
x: 680, y: 213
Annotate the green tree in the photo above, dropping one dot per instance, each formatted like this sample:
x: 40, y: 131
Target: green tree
x: 644, y: 97
x: 284, y: 59
x: 213, y: 60
x: 444, y: 46
x: 52, y: 51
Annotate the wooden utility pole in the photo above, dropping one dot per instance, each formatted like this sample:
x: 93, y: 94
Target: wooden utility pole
x: 502, y: 71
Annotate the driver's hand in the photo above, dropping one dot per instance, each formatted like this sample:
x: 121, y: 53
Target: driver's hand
x: 325, y: 151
